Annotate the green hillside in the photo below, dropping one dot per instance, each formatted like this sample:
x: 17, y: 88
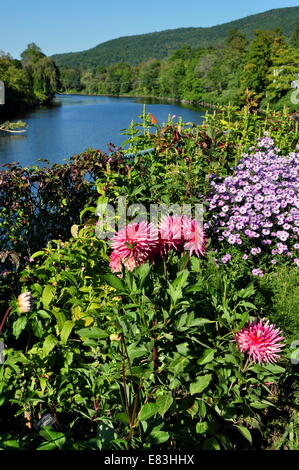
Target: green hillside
x: 135, y: 49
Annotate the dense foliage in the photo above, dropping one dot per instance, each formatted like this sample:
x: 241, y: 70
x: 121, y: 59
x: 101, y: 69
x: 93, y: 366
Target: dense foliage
x: 266, y: 69
x: 147, y: 359
x: 135, y: 49
x: 31, y: 81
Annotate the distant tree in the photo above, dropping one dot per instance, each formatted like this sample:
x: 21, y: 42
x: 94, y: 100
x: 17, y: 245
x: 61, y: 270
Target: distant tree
x: 257, y: 62
x: 282, y: 73
x: 32, y: 54
x: 294, y: 42
x: 148, y: 77
x: 171, y: 77
x: 70, y: 79
x: 236, y: 40
x: 41, y: 71
x: 45, y: 77
x: 118, y: 79
x: 185, y: 53
x: 18, y: 89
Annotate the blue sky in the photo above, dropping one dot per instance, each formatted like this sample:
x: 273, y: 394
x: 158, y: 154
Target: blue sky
x: 75, y: 25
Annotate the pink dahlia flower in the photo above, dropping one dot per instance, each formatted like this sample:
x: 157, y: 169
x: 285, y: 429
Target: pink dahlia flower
x: 181, y: 232
x: 115, y: 263
x: 171, y: 232
x: 134, y: 245
x: 261, y: 341
x: 195, y: 240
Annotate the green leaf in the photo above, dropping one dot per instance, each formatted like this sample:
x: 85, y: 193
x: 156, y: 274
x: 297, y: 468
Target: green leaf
x: 122, y: 417
x: 158, y: 437
x: 87, y: 209
x: 147, y: 411
x: 105, y: 433
x: 37, y: 253
x: 201, y: 383
x: 211, y: 444
x: 9, y: 444
x: 164, y: 402
x: 135, y: 352
x: 181, y: 280
x: 54, y: 439
x: 48, y: 295
x: 193, y: 409
x: 70, y: 277
x: 206, y: 357
x: 66, y: 330
x: 178, y: 364
x: 49, y: 343
x: 195, y: 264
x: 138, y: 190
x: 200, y: 322
x: 92, y: 332
x: 19, y: 326
x: 175, y: 294
x: 201, y: 428
x: 183, y: 261
x: 113, y: 281
x: 274, y: 368
x: 143, y: 272
x: 243, y: 303
x: 245, y: 432
x: 60, y: 317
x: 260, y: 405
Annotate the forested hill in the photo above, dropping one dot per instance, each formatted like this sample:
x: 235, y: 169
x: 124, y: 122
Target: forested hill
x: 135, y: 49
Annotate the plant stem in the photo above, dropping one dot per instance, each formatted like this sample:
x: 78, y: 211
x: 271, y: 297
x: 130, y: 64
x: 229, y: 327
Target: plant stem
x: 124, y: 381
x: 4, y: 318
x: 247, y: 363
x: 155, y: 350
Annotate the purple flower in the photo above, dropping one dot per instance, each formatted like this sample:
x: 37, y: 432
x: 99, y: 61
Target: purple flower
x: 226, y: 258
x: 257, y: 272
x: 261, y: 201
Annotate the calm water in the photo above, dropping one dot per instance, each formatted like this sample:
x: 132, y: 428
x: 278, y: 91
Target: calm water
x: 75, y: 123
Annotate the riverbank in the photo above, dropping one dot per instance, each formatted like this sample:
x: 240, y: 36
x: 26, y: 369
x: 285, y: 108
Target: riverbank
x: 200, y: 104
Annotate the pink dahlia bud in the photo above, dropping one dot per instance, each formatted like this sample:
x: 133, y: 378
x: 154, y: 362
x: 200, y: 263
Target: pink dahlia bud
x: 261, y: 341
x: 133, y: 246
x: 25, y: 302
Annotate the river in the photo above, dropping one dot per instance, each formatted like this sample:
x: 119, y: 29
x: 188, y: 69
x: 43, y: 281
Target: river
x: 74, y: 123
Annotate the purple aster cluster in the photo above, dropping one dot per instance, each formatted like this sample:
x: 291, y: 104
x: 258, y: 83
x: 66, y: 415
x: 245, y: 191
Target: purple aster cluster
x: 258, y: 204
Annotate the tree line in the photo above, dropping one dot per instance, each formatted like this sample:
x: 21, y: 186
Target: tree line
x: 265, y: 67
x: 28, y: 82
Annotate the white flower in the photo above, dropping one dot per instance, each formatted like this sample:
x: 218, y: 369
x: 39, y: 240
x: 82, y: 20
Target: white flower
x: 25, y: 302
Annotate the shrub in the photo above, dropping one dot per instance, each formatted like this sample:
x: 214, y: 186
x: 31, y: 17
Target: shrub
x: 130, y: 362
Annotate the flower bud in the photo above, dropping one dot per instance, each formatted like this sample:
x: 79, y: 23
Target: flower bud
x: 115, y: 337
